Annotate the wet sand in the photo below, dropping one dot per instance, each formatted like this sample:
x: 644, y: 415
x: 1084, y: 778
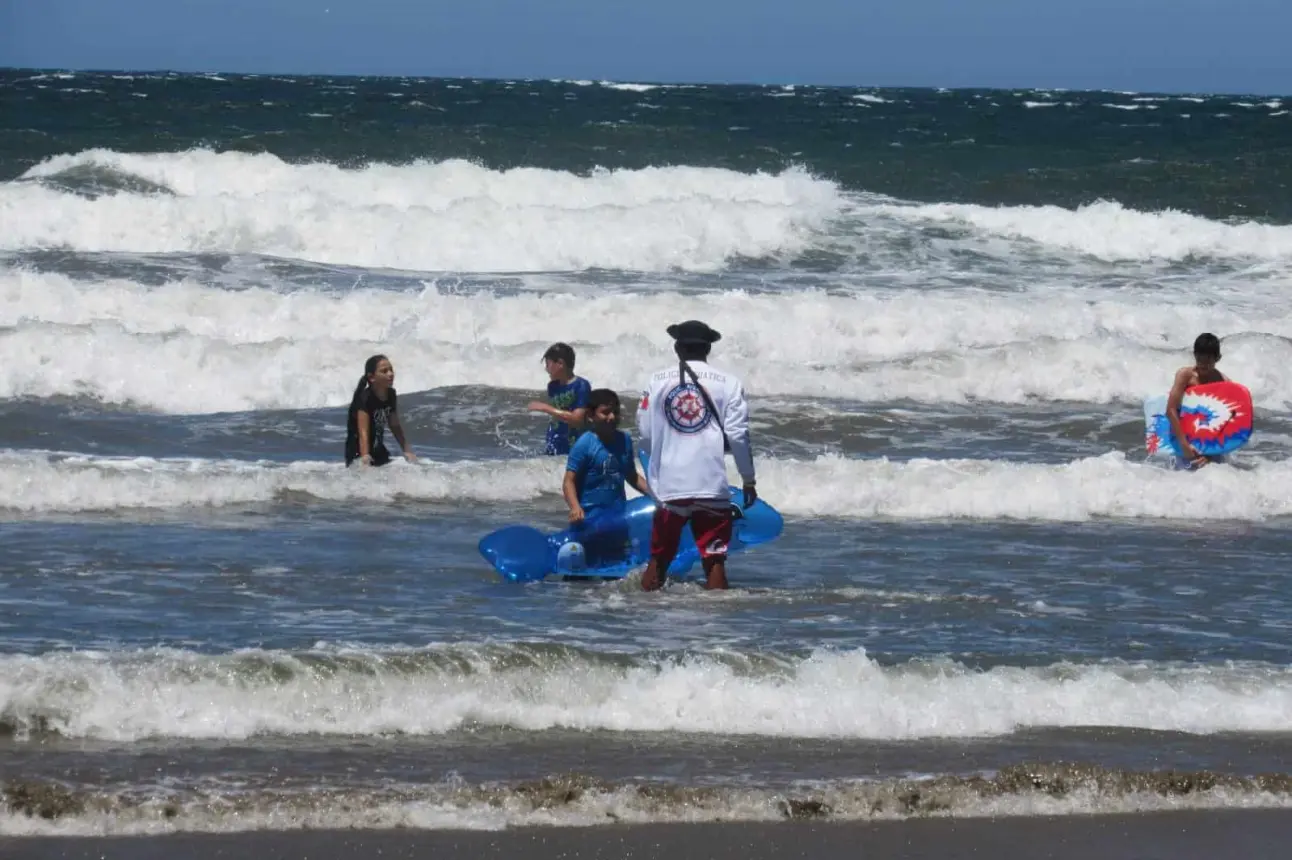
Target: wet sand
x: 1249, y: 834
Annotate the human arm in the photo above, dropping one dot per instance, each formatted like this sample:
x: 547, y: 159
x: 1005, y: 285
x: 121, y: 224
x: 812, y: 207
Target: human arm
x: 635, y: 478
x: 1173, y: 401
x: 639, y: 483
x: 735, y: 422
x: 643, y: 419
x: 571, y: 493
x: 397, y: 428
x: 573, y: 417
x: 575, y: 463
x: 576, y: 416
x: 363, y: 423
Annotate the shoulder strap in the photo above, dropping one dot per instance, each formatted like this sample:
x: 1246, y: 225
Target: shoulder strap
x: 683, y: 371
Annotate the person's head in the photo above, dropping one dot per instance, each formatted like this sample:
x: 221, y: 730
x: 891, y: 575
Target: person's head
x: 693, y: 339
x: 559, y: 361
x: 378, y: 373
x: 604, y: 410
x: 1206, y: 349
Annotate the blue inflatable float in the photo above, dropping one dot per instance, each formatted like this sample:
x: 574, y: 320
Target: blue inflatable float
x: 612, y: 546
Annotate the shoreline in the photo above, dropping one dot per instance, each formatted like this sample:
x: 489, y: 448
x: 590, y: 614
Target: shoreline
x: 1253, y: 834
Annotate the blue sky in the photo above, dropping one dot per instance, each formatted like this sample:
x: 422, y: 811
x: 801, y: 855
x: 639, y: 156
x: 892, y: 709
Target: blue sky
x: 1170, y: 45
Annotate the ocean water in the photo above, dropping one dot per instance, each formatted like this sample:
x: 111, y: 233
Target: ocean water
x: 947, y: 307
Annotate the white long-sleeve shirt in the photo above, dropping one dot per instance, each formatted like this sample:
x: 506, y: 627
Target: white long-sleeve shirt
x: 685, y: 443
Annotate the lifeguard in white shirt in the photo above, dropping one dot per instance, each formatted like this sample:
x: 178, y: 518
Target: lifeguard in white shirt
x: 690, y: 414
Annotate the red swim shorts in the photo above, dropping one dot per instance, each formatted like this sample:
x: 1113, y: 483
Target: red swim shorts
x: 710, y: 524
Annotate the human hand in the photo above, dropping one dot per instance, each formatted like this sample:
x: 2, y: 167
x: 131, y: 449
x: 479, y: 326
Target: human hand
x: 576, y: 514
x: 751, y: 493
x: 365, y: 460
x: 410, y: 456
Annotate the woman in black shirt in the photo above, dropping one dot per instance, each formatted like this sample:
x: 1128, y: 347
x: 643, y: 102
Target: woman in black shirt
x: 372, y: 409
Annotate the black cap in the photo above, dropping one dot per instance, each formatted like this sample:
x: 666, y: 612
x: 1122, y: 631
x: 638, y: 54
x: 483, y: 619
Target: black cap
x: 693, y: 331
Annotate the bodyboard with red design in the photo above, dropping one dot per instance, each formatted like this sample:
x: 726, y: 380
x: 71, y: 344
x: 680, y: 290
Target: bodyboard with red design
x: 1216, y: 419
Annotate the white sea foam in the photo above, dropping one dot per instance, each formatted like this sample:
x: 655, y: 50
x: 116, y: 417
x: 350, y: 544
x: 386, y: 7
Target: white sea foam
x: 1109, y: 486
x: 1038, y: 321
x: 180, y: 694
x: 458, y: 216
x: 630, y: 87
x: 442, y: 216
x: 187, y: 347
x: 1109, y: 231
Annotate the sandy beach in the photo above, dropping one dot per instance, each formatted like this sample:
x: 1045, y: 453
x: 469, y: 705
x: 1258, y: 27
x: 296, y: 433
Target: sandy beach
x: 1249, y: 834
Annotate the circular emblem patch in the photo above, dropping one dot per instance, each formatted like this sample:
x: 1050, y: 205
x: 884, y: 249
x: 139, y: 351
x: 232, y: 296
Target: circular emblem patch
x: 685, y: 409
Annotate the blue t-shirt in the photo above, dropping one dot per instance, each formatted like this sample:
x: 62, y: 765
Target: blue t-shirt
x: 566, y: 397
x: 600, y: 471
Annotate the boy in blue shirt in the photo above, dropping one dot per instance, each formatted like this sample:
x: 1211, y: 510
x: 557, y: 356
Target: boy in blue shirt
x: 567, y: 397
x: 601, y: 462
x: 599, y: 465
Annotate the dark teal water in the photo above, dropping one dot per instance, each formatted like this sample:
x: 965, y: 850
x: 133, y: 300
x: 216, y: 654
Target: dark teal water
x: 1219, y: 156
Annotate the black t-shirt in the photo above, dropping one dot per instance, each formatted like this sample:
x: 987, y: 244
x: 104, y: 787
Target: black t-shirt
x: 379, y: 413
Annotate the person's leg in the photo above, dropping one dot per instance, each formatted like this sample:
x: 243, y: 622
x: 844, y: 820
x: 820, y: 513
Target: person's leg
x: 712, y: 537
x: 665, y: 532
x: 715, y: 573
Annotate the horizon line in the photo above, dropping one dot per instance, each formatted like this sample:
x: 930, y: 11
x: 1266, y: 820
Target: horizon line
x: 637, y: 81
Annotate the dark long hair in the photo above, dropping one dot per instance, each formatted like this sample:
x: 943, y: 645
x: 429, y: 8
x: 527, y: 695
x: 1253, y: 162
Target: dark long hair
x: 352, y: 420
x: 369, y: 368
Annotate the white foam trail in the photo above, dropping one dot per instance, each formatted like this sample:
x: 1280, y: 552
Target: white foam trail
x: 444, y: 216
x: 1108, y: 230
x: 632, y: 88
x: 179, y: 694
x: 456, y: 216
x: 190, y: 348
x: 38, y: 483
x: 1109, y: 486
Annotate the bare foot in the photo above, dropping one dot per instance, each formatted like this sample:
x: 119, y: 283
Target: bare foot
x: 651, y: 580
